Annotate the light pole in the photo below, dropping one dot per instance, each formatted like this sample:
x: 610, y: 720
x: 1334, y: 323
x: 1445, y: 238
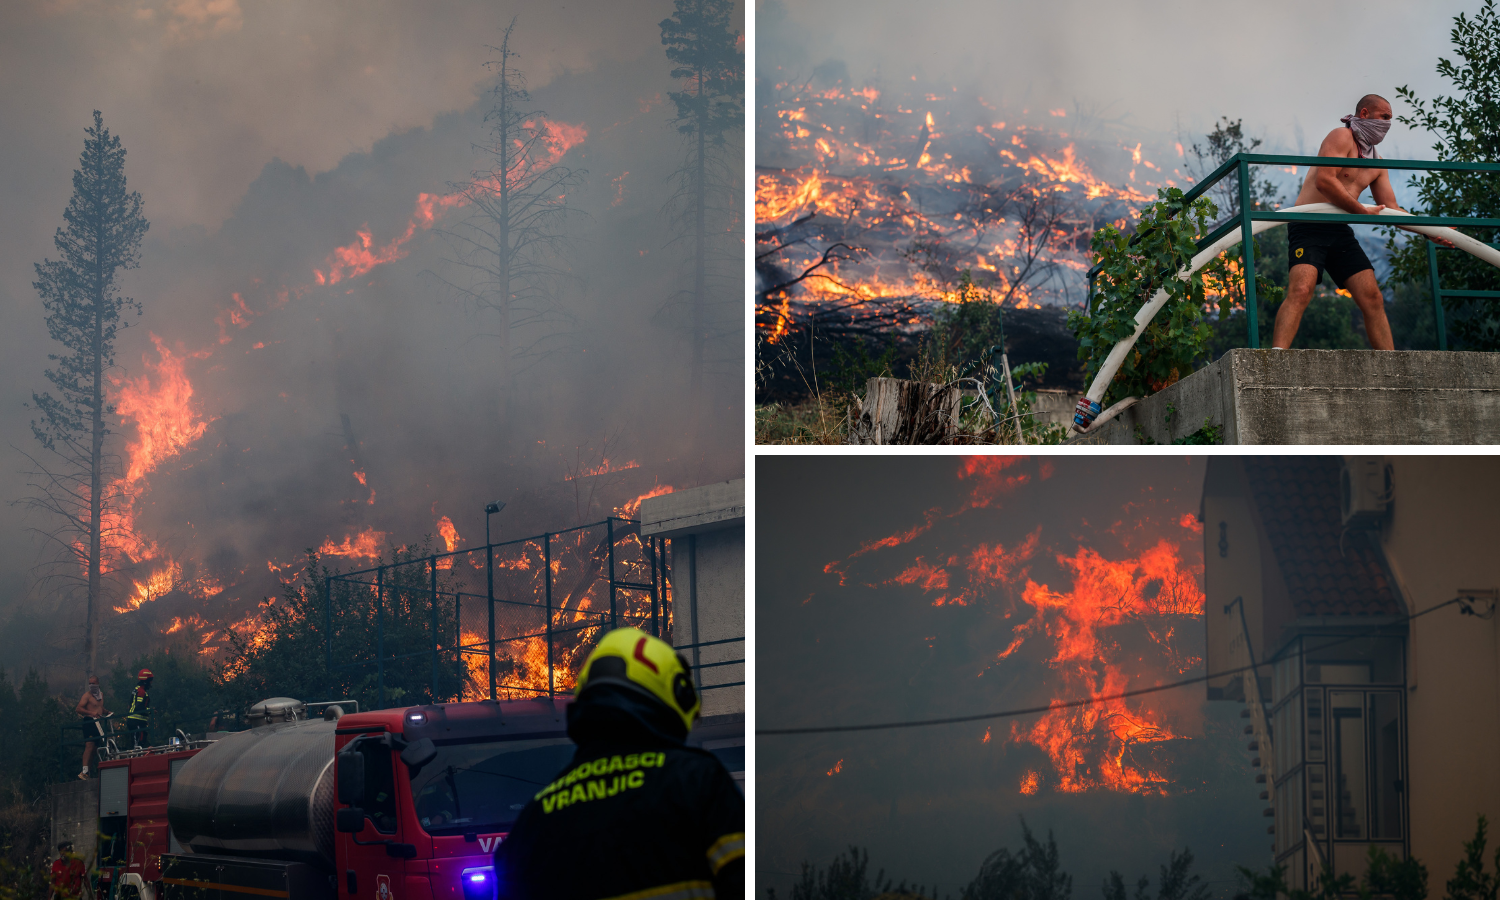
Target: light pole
x: 489, y: 572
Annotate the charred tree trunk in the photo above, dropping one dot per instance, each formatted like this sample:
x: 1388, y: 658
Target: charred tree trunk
x: 96, y: 475
x: 906, y: 412
x: 700, y: 263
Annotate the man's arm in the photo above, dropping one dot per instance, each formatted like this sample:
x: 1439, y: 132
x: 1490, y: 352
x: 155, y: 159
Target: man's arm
x: 1385, y: 195
x: 1338, y: 143
x: 79, y: 709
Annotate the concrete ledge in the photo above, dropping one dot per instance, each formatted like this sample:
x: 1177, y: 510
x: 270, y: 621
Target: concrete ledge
x: 1323, y: 397
x: 694, y: 511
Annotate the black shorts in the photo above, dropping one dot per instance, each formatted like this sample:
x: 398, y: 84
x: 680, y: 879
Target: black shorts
x: 92, y: 728
x: 1332, y: 247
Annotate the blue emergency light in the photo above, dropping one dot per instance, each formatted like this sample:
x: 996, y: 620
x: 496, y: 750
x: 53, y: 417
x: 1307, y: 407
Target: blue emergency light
x: 479, y: 884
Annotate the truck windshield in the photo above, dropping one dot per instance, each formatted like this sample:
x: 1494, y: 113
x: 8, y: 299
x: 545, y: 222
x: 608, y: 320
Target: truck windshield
x: 483, y: 786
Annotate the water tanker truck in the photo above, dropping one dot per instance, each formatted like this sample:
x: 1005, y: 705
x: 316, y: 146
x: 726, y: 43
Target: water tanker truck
x: 395, y: 804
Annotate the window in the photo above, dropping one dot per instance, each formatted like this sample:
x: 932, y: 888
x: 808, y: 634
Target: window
x: 380, y: 786
x: 1367, y: 784
x: 1385, y: 765
x: 1346, y: 714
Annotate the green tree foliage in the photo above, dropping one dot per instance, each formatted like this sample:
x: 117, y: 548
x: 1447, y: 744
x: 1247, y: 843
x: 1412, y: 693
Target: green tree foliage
x: 1226, y: 140
x: 1467, y: 126
x: 37, y: 754
x: 1131, y: 270
x: 184, y: 694
x: 705, y: 206
x: 1471, y: 881
x: 83, y: 301
x: 1176, y: 882
x: 1033, y: 873
x: 846, y: 878
x: 287, y: 654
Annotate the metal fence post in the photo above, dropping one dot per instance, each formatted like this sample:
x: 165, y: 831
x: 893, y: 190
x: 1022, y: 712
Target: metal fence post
x: 1247, y: 234
x: 432, y: 566
x: 655, y: 600
x: 328, y: 632
x: 1438, y: 324
x: 547, y: 564
x: 609, y: 527
x: 490, y: 659
x: 380, y: 635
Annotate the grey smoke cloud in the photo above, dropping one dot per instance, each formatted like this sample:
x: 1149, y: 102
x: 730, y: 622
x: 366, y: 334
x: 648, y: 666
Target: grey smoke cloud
x: 1277, y: 65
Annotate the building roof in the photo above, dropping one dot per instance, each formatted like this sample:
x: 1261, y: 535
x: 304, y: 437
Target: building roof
x: 1327, y: 572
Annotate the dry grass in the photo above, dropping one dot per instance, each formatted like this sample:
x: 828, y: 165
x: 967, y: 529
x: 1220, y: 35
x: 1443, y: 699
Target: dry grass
x: 820, y: 419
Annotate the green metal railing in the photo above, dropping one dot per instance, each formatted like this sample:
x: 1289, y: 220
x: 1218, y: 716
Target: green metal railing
x: 1240, y: 164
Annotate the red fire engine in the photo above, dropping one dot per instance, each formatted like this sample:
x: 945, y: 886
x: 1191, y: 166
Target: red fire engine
x: 396, y: 804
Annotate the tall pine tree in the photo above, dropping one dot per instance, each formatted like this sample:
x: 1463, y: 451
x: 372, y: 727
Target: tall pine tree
x: 707, y: 60
x: 80, y: 292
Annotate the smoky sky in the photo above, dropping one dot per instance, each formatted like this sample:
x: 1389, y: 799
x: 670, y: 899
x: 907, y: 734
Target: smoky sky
x: 1289, y: 69
x: 890, y: 643
x: 263, y: 137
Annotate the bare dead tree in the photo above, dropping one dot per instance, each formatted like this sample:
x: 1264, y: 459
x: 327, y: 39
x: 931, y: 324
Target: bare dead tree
x: 509, y: 247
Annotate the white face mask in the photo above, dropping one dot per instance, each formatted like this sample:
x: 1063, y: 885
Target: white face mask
x: 96, y: 691
x: 1367, y: 133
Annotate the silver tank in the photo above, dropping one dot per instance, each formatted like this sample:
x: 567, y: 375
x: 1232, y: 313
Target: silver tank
x: 266, y: 792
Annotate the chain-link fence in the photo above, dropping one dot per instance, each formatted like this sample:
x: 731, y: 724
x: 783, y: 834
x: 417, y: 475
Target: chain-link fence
x: 501, y: 621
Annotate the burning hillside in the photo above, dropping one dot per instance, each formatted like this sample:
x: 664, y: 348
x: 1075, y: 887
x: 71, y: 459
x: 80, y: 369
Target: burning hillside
x: 882, y: 195
x: 1070, y: 616
x: 310, y: 376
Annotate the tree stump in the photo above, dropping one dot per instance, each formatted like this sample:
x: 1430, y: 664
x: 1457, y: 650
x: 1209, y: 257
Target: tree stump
x: 906, y: 412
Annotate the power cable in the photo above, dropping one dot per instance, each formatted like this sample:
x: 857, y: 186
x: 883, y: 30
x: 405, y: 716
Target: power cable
x: 1068, y: 704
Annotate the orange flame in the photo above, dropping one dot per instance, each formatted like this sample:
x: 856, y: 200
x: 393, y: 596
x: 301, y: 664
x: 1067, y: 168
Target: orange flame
x: 365, y: 545
x: 837, y: 768
x: 1029, y: 782
x: 632, y: 508
x: 160, y: 405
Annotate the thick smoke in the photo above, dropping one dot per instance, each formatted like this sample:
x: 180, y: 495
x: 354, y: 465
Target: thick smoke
x: 388, y: 373
x: 1284, y: 66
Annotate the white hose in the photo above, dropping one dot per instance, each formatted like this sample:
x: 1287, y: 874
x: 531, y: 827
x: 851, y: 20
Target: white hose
x: 1143, y: 318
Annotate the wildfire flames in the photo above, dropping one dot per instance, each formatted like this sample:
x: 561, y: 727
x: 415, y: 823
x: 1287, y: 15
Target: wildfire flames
x: 163, y: 418
x: 919, y: 185
x: 1105, y: 623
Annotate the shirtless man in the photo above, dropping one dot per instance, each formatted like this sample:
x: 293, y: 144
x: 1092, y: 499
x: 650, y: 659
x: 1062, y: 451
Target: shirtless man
x: 1314, y: 246
x: 91, y: 708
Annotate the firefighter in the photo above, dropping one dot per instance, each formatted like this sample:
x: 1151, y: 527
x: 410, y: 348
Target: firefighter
x: 138, y: 719
x: 636, y: 813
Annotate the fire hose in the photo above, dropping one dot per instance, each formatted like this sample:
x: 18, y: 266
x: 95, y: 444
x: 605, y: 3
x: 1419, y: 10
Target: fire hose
x: 1088, y: 409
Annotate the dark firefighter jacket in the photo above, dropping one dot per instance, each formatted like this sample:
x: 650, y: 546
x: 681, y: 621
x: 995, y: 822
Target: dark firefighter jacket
x: 140, y: 706
x: 635, y: 815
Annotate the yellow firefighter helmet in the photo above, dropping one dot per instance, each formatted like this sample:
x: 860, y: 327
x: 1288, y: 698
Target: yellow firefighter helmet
x: 634, y: 659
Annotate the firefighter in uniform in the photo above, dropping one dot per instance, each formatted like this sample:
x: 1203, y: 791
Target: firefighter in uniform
x: 138, y: 718
x: 636, y: 814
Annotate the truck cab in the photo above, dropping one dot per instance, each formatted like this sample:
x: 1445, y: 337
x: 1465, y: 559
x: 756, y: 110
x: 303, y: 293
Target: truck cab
x: 427, y: 793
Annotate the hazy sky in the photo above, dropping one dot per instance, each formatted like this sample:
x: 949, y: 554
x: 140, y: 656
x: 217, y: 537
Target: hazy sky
x: 870, y: 606
x: 1279, y: 65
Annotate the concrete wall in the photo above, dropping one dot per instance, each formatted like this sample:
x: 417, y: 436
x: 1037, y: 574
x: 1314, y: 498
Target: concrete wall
x: 707, y: 529
x: 1323, y: 397
x: 1440, y: 538
x: 75, y: 817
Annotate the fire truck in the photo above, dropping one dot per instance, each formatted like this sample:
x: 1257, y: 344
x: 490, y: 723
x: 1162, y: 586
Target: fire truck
x: 395, y: 804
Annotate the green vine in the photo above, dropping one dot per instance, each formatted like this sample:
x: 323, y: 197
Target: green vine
x: 1132, y: 268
